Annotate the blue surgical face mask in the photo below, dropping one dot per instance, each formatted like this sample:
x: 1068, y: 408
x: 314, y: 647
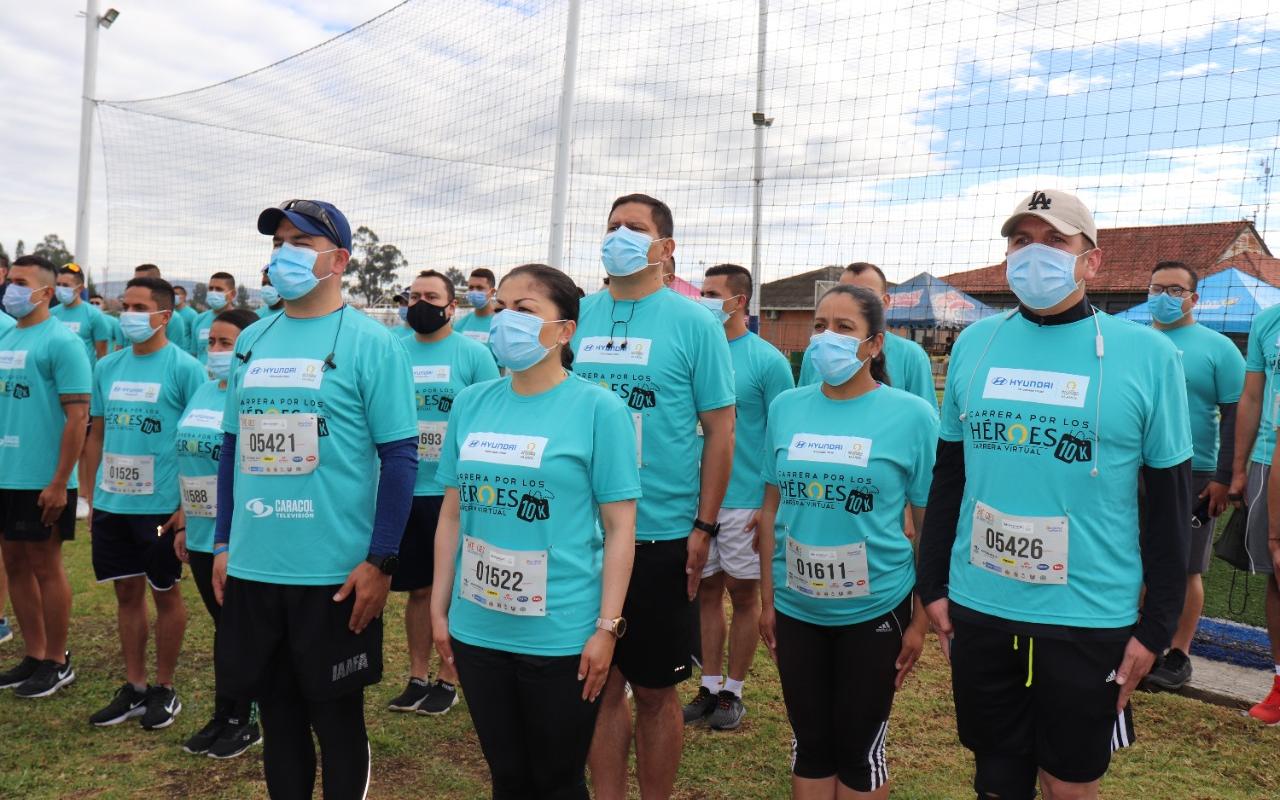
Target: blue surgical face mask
x: 216, y: 300
x: 66, y: 294
x: 514, y: 339
x: 269, y: 295
x: 136, y: 325
x: 219, y: 364
x: 835, y: 356
x: 477, y: 299
x: 1165, y: 309
x: 625, y: 252
x: 716, y: 306
x: 292, y: 270
x: 403, y: 313
x: 17, y: 301
x: 1042, y: 276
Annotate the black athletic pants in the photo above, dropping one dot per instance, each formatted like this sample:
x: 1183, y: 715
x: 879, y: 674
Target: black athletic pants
x: 534, y: 727
x: 224, y: 707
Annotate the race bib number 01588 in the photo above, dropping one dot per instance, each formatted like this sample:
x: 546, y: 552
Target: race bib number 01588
x: 1027, y: 549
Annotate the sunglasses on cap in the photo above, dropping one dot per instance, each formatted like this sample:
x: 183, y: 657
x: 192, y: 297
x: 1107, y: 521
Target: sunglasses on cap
x: 316, y: 212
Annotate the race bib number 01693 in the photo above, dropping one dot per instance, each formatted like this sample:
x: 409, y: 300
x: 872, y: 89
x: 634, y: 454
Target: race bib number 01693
x: 828, y: 573
x: 431, y: 439
x: 1028, y: 549
x: 508, y: 581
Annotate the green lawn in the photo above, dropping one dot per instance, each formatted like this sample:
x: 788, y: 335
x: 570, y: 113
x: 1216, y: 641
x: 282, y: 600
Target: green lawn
x: 1185, y: 750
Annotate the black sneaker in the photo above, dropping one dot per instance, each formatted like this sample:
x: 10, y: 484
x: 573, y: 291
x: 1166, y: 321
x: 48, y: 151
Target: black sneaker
x: 728, y: 713
x: 128, y: 703
x: 440, y: 698
x: 163, y: 707
x: 235, y: 739
x: 698, y: 709
x: 49, y: 677
x: 25, y: 669
x: 203, y: 739
x: 1171, y: 673
x: 412, y: 696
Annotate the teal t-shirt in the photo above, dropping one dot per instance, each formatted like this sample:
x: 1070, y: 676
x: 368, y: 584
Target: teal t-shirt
x: 266, y: 311
x: 141, y: 400
x: 669, y: 361
x: 475, y: 327
x: 906, y: 362
x: 38, y: 365
x: 198, y: 446
x: 87, y: 323
x: 187, y: 313
x: 1263, y: 355
x: 118, y: 340
x: 1215, y: 376
x: 1039, y: 539
x: 845, y: 470
x: 305, y: 488
x: 760, y: 373
x: 200, y: 335
x: 6, y: 322
x: 531, y: 473
x: 441, y: 370
x: 179, y: 332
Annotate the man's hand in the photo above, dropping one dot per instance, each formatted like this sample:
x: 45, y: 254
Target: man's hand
x: 180, y: 547
x: 219, y: 576
x: 912, y: 646
x: 52, y: 501
x: 371, y: 586
x: 593, y: 668
x: 939, y: 612
x: 1217, y: 494
x: 769, y: 630
x: 753, y: 528
x: 1273, y: 544
x: 177, y: 525
x: 440, y: 635
x: 1135, y: 666
x: 1235, y: 491
x: 699, y: 545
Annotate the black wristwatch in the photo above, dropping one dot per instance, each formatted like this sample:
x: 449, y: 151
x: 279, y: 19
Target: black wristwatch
x: 388, y: 564
x: 711, y: 529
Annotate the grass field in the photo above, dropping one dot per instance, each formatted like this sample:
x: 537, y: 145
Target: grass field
x: 1185, y: 749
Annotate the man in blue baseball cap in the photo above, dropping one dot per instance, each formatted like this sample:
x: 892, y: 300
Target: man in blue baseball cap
x: 319, y: 398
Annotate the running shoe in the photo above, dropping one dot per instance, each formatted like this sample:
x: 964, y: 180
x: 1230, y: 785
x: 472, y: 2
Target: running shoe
x: 128, y: 703
x: 14, y: 677
x: 203, y: 739
x: 441, y: 697
x: 6, y: 631
x: 411, y: 698
x: 728, y: 712
x: 1268, y: 711
x: 235, y: 739
x: 1170, y: 673
x: 699, y: 708
x: 48, y: 678
x: 162, y: 708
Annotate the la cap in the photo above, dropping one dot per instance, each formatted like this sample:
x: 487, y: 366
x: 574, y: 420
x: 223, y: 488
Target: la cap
x: 1063, y: 211
x: 306, y: 217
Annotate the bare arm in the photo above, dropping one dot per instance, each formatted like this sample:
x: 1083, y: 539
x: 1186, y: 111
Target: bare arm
x: 765, y: 538
x: 100, y: 347
x: 92, y: 455
x: 717, y: 465
x: 1248, y: 414
x: 53, y: 499
x: 446, y: 552
x: 619, y: 520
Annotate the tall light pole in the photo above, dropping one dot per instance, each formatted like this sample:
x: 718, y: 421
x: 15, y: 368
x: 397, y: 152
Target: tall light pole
x: 92, y: 22
x: 564, y: 139
x: 761, y: 122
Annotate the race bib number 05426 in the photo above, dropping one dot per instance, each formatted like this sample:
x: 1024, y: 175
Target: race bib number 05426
x: 1027, y: 549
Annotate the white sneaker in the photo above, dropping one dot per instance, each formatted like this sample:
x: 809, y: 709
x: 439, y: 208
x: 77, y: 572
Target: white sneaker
x: 82, y: 508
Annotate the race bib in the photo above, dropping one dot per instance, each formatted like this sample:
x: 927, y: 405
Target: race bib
x: 638, y: 418
x: 431, y: 439
x: 1028, y: 549
x: 509, y: 581
x: 477, y: 336
x: 279, y: 444
x: 436, y: 374
x: 202, y: 335
x: 134, y: 475
x: 828, y: 573
x: 200, y: 495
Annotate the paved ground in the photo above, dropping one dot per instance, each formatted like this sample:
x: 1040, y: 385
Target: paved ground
x: 1227, y: 684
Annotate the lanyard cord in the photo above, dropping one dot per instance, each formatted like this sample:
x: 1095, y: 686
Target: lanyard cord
x: 329, y: 363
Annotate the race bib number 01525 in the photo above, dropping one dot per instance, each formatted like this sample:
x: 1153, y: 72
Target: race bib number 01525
x: 133, y: 475
x: 1028, y: 549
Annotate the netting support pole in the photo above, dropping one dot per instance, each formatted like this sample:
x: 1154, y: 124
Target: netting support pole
x: 91, y: 24
x: 757, y: 187
x: 564, y: 139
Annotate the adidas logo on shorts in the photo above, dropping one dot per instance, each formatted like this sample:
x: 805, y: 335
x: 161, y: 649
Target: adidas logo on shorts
x: 885, y: 627
x: 1111, y: 678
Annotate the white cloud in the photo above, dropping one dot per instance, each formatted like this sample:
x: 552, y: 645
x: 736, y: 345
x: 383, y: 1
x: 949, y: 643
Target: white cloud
x: 1194, y: 71
x: 1071, y: 83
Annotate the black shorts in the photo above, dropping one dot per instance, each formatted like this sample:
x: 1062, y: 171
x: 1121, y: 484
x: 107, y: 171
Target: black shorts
x: 126, y: 546
x: 264, y: 625
x: 837, y: 682
x: 1051, y: 702
x: 655, y: 652
x: 418, y: 545
x: 20, y: 517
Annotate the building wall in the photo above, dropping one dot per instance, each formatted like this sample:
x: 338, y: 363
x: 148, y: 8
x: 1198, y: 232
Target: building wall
x: 790, y: 332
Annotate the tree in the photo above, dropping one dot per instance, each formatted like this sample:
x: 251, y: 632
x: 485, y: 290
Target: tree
x: 20, y: 250
x: 199, y: 293
x: 371, y: 274
x: 242, y: 296
x: 54, y: 249
x: 456, y: 277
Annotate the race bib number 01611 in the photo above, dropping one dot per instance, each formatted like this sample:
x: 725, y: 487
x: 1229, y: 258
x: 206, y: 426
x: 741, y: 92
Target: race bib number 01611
x: 828, y: 573
x: 508, y: 581
x: 1028, y: 549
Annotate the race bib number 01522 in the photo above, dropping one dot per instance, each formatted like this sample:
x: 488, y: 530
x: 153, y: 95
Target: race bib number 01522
x: 508, y: 581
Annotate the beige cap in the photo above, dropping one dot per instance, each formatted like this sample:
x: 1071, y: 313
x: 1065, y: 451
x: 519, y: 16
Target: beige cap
x: 1063, y: 211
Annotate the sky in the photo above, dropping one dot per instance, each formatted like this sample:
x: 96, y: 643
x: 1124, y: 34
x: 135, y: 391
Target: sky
x: 903, y: 132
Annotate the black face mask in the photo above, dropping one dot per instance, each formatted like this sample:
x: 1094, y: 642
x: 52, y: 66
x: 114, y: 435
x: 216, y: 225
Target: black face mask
x: 425, y: 318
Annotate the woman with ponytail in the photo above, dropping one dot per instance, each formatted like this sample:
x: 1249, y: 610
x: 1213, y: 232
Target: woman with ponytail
x: 530, y: 594
x: 845, y: 458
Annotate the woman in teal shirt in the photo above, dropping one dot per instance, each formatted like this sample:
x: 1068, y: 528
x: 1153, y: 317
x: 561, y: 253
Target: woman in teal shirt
x: 533, y: 466
x: 845, y: 458
x: 233, y: 727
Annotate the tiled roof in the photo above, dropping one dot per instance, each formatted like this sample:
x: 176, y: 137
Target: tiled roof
x: 796, y: 291
x: 1130, y: 253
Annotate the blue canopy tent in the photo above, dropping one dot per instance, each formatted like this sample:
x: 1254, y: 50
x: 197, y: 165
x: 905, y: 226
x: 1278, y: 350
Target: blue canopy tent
x: 929, y: 302
x: 1229, y: 300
